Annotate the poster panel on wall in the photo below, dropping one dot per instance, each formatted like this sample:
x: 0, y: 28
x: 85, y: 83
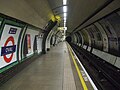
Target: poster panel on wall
x: 39, y: 44
x: 8, y: 42
x: 29, y: 43
x: 31, y: 34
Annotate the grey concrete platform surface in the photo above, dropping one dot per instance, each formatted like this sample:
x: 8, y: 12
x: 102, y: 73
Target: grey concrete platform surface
x: 51, y: 71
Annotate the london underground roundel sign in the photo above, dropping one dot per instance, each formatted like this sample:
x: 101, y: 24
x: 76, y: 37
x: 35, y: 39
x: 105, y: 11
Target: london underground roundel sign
x: 8, y: 49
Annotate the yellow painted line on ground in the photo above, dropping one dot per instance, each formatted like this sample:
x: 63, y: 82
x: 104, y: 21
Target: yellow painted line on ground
x: 78, y: 71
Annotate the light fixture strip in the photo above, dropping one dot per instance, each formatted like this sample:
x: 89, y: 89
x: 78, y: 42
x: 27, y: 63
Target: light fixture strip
x: 65, y: 18
x: 64, y: 9
x: 64, y: 2
x: 64, y: 24
x: 65, y: 15
x: 65, y: 12
x: 64, y: 21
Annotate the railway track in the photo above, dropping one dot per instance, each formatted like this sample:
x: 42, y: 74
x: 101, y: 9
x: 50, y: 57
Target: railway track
x: 104, y: 75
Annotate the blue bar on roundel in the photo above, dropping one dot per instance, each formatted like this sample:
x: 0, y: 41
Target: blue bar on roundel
x: 8, y: 50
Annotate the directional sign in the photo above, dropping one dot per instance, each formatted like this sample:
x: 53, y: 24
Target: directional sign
x: 62, y: 28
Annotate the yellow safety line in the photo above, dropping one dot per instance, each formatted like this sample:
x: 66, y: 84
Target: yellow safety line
x: 78, y: 71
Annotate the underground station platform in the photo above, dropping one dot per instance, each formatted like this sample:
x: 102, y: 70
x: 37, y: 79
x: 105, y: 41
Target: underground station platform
x: 56, y: 70
x: 59, y: 44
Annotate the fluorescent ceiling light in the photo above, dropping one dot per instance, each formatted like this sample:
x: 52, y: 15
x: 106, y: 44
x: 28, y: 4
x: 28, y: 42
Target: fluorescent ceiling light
x: 64, y: 9
x: 64, y: 21
x: 64, y: 24
x: 65, y: 15
x: 64, y: 2
x: 65, y: 18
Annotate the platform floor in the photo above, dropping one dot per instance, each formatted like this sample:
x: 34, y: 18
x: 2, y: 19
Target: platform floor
x: 51, y: 71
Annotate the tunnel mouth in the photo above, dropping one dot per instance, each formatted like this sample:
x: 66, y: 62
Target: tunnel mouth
x: 68, y: 39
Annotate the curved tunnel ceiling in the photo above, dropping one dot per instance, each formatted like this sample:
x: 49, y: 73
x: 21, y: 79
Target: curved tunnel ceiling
x: 35, y: 12
x: 80, y: 10
x: 39, y: 12
x: 42, y: 8
x: 56, y: 6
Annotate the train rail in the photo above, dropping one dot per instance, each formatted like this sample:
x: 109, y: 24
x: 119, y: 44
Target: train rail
x: 104, y: 75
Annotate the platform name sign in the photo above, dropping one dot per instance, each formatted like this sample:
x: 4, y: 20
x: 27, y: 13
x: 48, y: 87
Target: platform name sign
x: 8, y: 44
x: 8, y: 49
